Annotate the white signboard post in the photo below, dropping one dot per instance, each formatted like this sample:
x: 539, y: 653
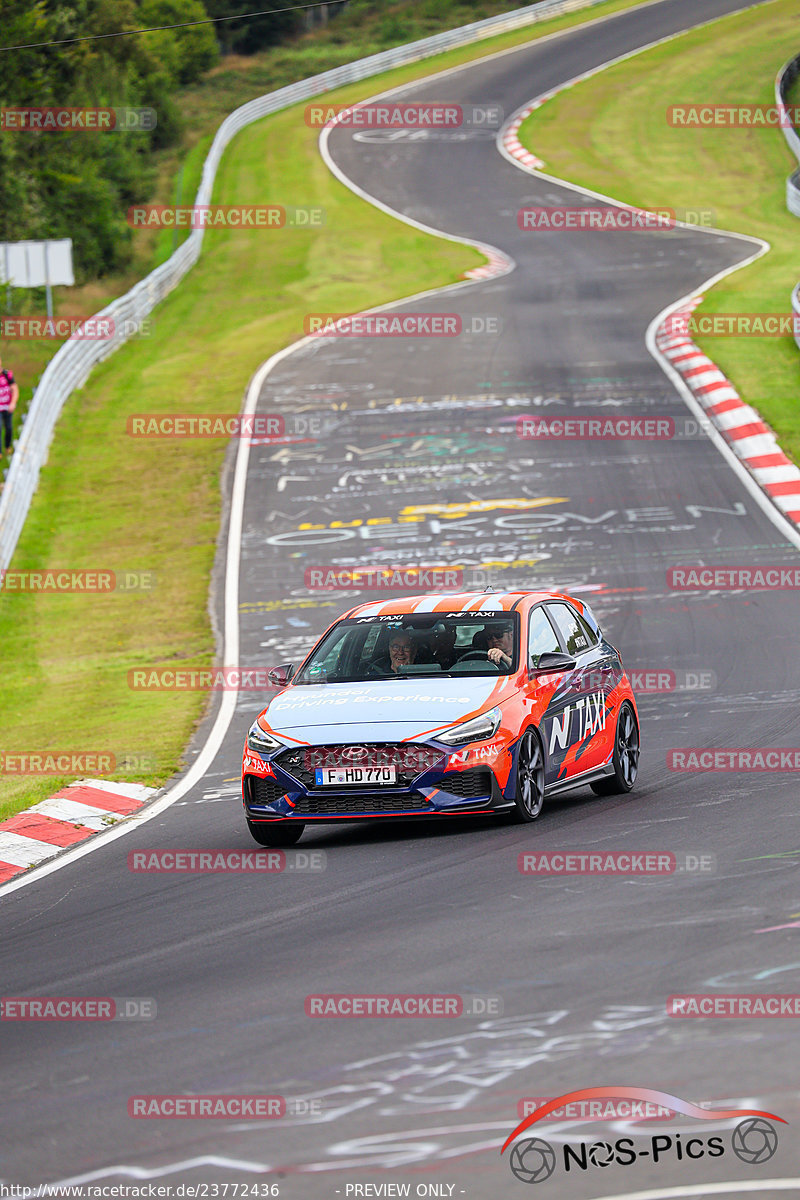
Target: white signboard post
x: 33, y: 264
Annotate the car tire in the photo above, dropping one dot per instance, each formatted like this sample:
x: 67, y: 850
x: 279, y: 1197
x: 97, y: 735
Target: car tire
x: 276, y: 833
x: 529, y: 789
x: 625, y: 759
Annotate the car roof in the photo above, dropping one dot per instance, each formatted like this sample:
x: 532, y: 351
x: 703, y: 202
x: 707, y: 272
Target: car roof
x: 466, y: 602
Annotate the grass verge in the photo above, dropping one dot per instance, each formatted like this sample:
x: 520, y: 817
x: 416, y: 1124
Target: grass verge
x: 617, y: 122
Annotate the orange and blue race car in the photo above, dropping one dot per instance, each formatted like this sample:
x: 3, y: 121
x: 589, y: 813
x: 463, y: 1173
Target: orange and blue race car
x: 442, y: 706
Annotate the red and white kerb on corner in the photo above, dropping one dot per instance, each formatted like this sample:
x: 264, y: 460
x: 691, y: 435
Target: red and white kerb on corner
x: 742, y: 427
x: 70, y: 816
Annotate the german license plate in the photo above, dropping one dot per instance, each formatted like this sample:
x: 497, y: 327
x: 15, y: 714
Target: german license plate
x: 342, y: 776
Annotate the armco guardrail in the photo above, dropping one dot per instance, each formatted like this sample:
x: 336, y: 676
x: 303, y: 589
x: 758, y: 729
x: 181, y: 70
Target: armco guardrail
x: 793, y: 193
x: 70, y: 366
x: 785, y: 78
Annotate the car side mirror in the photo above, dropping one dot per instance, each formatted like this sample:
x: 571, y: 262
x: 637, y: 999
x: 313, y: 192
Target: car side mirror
x: 550, y: 662
x: 281, y: 675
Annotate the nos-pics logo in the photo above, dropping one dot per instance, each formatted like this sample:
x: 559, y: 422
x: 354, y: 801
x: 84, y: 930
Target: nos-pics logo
x: 533, y: 1160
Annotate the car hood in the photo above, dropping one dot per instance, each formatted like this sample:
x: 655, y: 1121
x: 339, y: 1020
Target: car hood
x: 402, y: 708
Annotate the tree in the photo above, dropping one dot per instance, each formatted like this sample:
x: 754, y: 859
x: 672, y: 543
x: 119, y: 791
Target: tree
x: 189, y: 52
x: 247, y: 35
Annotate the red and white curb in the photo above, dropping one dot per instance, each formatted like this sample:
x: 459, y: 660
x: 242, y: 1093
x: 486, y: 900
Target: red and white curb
x: 498, y: 264
x: 742, y: 427
x: 77, y: 812
x: 510, y: 135
x: 508, y: 139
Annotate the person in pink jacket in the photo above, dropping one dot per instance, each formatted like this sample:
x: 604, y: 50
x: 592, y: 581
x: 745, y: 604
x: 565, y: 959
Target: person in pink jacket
x: 9, y: 395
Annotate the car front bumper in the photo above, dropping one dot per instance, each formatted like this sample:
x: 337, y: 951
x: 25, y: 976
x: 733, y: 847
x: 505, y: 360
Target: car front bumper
x: 437, y: 792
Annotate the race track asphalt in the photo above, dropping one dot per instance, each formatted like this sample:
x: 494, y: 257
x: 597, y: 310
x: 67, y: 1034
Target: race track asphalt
x: 423, y: 432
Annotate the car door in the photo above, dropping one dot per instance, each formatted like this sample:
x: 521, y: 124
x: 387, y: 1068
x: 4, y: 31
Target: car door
x: 583, y: 736
x: 551, y: 693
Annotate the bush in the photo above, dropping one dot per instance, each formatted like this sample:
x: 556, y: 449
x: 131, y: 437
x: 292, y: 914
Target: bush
x: 393, y: 29
x: 187, y: 53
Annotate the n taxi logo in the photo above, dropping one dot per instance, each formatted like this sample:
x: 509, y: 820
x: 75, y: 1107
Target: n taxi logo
x: 533, y: 1160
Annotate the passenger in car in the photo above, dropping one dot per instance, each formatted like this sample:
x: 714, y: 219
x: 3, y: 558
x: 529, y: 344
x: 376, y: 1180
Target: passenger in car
x: 442, y: 645
x: 402, y: 652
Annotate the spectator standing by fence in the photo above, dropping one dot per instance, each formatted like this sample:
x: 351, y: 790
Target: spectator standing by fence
x: 9, y: 394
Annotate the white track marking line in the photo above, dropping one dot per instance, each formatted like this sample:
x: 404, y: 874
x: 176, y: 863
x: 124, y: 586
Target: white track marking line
x: 707, y: 1189
x: 187, y: 1164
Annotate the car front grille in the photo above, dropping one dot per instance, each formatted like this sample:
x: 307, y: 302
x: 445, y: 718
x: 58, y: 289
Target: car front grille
x: 409, y: 758
x: 263, y: 791
x: 470, y: 785
x: 321, y: 804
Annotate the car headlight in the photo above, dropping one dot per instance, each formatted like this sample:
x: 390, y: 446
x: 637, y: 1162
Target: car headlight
x: 477, y: 729
x: 258, y: 739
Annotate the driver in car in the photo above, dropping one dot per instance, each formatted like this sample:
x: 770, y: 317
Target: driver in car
x: 500, y: 636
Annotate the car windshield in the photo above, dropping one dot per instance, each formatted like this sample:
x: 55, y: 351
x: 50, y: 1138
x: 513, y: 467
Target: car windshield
x: 452, y: 644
